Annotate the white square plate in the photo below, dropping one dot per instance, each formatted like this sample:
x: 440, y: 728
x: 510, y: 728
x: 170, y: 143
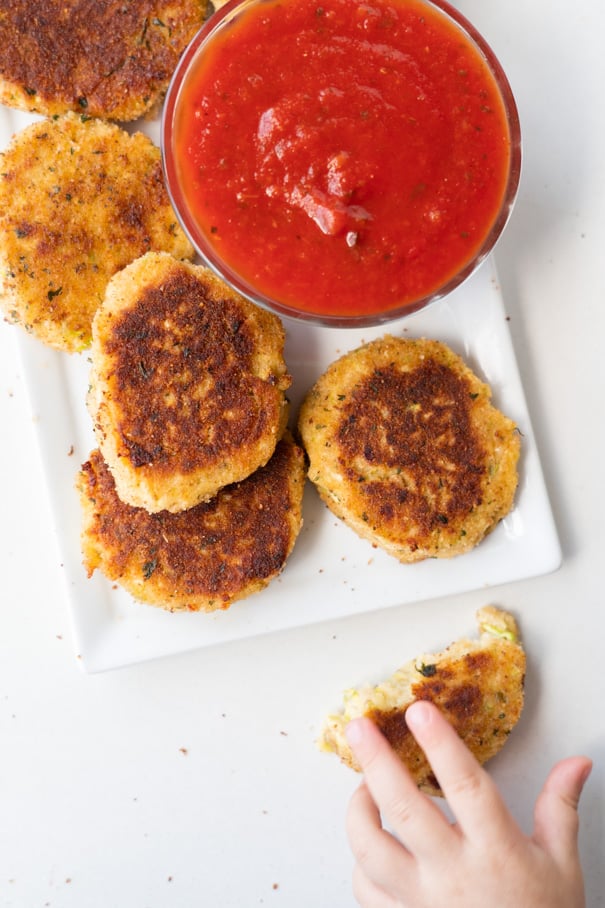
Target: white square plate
x: 331, y: 573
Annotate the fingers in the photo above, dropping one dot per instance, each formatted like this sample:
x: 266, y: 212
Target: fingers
x: 368, y: 894
x: 468, y: 789
x: 416, y: 821
x: 556, y: 812
x: 380, y: 859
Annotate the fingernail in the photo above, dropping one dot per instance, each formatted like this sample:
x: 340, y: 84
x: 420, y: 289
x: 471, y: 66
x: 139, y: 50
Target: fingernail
x: 419, y: 712
x: 354, y: 732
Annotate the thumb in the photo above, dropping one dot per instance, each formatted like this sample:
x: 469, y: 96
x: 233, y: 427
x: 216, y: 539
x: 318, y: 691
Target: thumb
x: 556, y: 813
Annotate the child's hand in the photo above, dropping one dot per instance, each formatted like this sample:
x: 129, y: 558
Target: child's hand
x: 484, y: 858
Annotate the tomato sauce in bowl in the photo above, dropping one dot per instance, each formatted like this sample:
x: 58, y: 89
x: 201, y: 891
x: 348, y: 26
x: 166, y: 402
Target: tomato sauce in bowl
x: 339, y: 161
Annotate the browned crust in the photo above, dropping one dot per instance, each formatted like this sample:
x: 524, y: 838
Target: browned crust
x: 205, y: 341
x: 406, y: 447
x: 187, y: 386
x: 202, y: 559
x: 480, y: 694
x: 107, y: 59
x: 442, y: 457
x: 478, y: 685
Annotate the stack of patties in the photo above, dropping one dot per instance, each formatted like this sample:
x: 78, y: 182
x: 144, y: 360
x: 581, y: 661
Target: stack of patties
x: 194, y: 498
x: 406, y: 447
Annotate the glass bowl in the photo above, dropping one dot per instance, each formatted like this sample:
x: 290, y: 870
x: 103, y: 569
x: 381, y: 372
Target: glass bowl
x: 341, y: 163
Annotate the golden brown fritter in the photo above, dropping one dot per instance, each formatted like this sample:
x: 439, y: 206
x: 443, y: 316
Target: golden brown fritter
x: 106, y: 59
x: 203, y: 559
x: 477, y: 685
x: 188, y: 381
x: 79, y: 199
x: 405, y: 446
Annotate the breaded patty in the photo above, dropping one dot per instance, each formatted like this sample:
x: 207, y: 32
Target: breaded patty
x: 405, y: 446
x: 187, y: 387
x: 202, y: 559
x: 477, y: 685
x: 106, y: 59
x: 79, y: 199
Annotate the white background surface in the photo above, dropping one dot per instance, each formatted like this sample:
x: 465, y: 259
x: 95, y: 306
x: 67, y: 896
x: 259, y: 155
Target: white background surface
x: 194, y: 779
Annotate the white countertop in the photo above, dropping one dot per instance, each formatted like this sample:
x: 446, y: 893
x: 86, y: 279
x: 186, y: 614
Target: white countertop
x: 193, y: 780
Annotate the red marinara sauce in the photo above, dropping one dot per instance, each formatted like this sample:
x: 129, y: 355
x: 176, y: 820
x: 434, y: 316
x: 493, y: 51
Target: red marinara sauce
x: 341, y: 158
